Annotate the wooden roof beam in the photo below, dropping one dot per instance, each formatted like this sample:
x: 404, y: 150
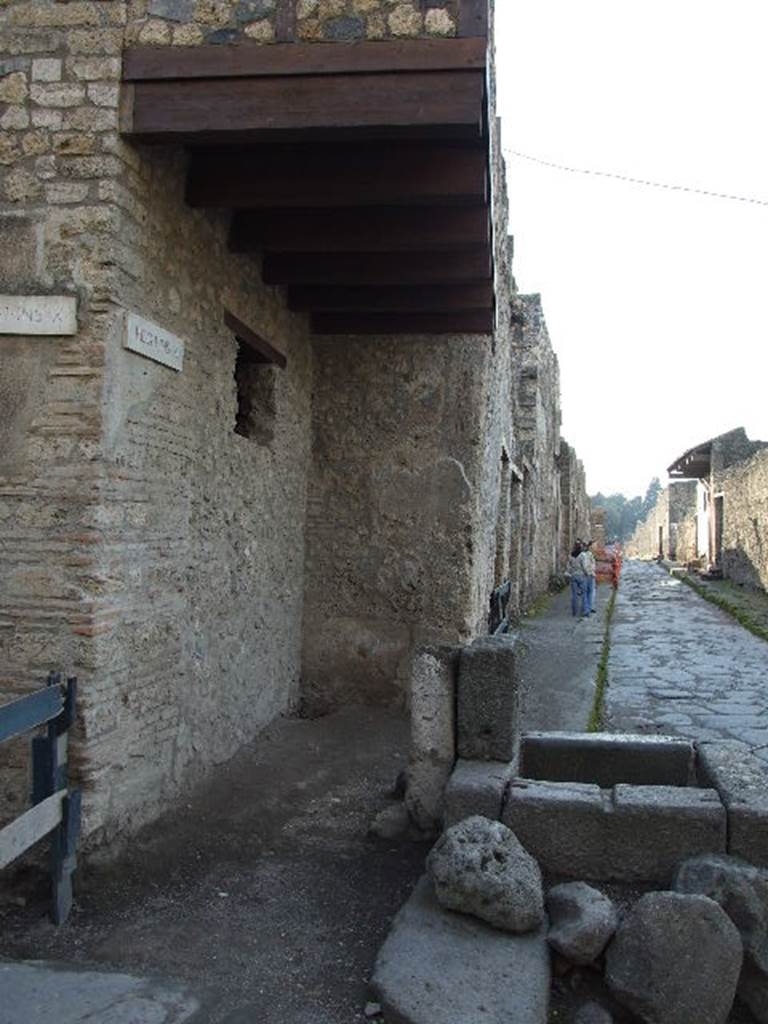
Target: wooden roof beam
x: 370, y: 298
x: 152, y: 63
x: 472, y: 266
x: 374, y: 229
x: 468, y: 322
x: 206, y: 110
x: 338, y: 176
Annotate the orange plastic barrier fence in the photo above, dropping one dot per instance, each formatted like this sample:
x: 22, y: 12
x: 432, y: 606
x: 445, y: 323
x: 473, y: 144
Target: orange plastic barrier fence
x: 608, y: 561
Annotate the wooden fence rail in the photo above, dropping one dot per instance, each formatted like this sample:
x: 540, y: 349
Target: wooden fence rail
x: 55, y: 808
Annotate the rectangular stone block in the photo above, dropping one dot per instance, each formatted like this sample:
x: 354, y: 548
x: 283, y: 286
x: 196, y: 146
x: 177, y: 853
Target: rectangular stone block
x: 477, y: 787
x: 488, y: 701
x: 654, y: 828
x: 559, y: 823
x: 628, y: 834
x: 607, y: 759
x: 433, y: 733
x: 741, y: 780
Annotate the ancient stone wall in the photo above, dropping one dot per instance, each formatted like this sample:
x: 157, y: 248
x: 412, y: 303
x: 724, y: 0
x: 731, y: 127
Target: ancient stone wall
x: 575, y: 510
x: 59, y: 65
x: 681, y: 545
x: 644, y: 542
x: 192, y: 22
x: 729, y: 449
x: 148, y: 548
x: 537, y: 429
x: 393, y: 493
x: 149, y: 545
x: 409, y: 436
x: 745, y: 521
x: 669, y: 529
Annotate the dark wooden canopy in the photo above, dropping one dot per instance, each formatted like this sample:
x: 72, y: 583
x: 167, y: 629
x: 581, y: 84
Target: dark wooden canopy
x: 695, y: 464
x: 359, y: 171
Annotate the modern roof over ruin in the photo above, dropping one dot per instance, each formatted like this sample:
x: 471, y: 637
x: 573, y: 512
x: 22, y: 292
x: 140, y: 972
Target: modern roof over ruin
x: 358, y: 173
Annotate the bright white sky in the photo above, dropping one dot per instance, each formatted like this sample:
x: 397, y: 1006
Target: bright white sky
x: 656, y: 301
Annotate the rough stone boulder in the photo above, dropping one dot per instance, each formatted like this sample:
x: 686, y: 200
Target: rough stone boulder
x: 441, y: 967
x: 582, y: 921
x: 479, y: 867
x: 742, y: 892
x: 675, y: 959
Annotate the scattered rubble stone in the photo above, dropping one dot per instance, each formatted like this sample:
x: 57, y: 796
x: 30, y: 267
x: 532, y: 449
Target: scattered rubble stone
x: 479, y: 867
x: 592, y: 1013
x: 582, y: 921
x: 742, y: 891
x: 675, y: 959
x: 391, y: 823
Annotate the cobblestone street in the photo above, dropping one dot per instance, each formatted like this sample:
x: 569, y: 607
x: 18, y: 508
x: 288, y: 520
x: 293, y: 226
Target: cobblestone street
x: 680, y: 666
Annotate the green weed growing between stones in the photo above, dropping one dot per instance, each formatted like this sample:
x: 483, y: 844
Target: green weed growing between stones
x: 595, y: 723
x: 742, y: 616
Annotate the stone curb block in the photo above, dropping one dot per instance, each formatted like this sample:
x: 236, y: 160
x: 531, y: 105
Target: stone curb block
x: 630, y: 833
x: 607, y: 760
x: 477, y: 787
x: 436, y: 965
x: 488, y: 700
x: 741, y: 779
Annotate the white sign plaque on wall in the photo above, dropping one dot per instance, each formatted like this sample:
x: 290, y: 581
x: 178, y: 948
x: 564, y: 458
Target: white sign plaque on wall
x: 38, y: 314
x: 152, y: 341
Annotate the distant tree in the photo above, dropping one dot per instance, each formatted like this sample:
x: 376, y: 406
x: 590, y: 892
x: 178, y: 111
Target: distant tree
x: 651, y: 495
x: 622, y: 514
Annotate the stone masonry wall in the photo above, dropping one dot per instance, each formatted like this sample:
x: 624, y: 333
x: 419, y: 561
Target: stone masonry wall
x: 59, y: 65
x: 146, y: 547
x: 192, y: 22
x: 404, y: 492
x: 391, y: 509
x: 574, y: 503
x: 682, y: 520
x: 745, y: 521
x: 674, y: 514
x: 644, y: 542
x: 537, y: 429
x: 201, y: 529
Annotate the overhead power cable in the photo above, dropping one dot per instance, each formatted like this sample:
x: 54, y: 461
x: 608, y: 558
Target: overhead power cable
x: 635, y: 181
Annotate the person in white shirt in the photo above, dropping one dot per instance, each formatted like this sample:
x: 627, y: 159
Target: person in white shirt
x: 589, y: 568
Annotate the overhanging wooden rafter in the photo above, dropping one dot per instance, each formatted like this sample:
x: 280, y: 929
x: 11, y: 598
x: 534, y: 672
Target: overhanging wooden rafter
x: 359, y: 171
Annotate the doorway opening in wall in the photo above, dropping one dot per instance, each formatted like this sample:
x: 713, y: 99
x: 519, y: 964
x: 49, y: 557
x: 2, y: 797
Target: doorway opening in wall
x: 255, y: 382
x: 718, y: 508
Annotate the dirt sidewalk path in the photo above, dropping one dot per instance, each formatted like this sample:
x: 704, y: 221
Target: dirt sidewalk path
x: 558, y: 664
x: 264, y: 897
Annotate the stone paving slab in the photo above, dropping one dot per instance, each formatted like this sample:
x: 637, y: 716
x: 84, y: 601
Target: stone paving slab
x: 679, y: 665
x: 438, y: 966
x: 38, y: 993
